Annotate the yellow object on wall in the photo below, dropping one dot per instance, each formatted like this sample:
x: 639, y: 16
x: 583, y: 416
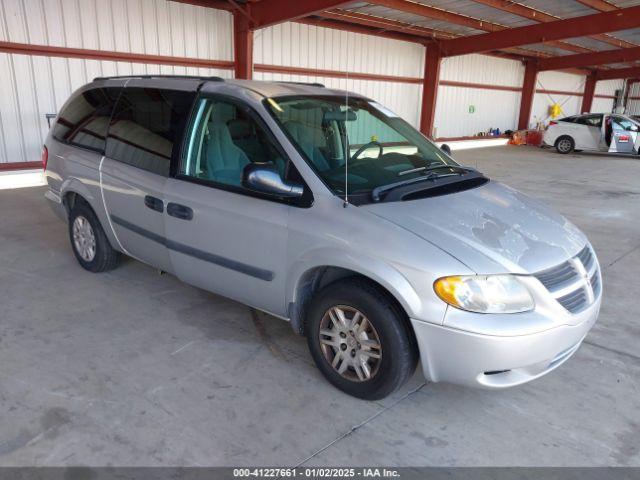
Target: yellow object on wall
x: 555, y: 110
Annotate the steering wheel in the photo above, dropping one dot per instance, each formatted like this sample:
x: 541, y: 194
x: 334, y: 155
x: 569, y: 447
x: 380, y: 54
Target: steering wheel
x: 364, y: 147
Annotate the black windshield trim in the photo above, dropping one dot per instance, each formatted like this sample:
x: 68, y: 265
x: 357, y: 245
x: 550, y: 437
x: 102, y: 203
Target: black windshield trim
x: 376, y: 192
x: 410, y: 190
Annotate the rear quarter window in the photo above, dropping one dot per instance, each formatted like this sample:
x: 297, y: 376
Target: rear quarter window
x: 147, y: 127
x: 84, y: 120
x: 590, y: 120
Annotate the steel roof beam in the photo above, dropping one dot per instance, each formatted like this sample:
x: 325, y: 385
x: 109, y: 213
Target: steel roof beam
x: 617, y: 73
x: 384, y: 27
x: 599, y: 5
x: 385, y: 24
x: 269, y: 13
x: 462, y: 20
x: 588, y: 59
x: 351, y: 27
x: 621, y: 19
x: 542, y: 17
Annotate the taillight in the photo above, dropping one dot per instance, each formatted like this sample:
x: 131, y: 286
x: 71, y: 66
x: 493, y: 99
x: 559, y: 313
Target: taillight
x: 552, y: 123
x: 45, y: 157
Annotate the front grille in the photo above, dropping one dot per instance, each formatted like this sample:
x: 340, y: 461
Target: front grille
x: 586, y: 257
x: 595, y: 284
x: 575, y: 284
x: 555, y: 277
x: 574, y: 300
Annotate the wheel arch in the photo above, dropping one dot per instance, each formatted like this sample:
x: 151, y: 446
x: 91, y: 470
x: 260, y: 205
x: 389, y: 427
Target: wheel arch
x: 72, y: 191
x: 311, y: 279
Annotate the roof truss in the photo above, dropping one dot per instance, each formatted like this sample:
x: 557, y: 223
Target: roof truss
x: 589, y: 59
x: 264, y: 14
x: 618, y: 73
x: 462, y: 20
x: 604, y: 22
x: 543, y: 17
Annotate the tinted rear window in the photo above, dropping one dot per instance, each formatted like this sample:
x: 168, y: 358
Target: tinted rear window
x: 147, y: 126
x: 84, y: 120
x: 591, y: 120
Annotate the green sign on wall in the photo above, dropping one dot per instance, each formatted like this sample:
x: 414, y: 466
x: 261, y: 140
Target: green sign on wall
x: 472, y: 108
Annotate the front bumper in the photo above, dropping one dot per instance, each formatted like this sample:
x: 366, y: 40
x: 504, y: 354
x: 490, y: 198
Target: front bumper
x: 490, y: 361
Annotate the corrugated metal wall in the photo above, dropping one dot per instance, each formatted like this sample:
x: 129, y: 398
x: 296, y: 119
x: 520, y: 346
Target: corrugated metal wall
x: 32, y: 86
x: 463, y: 111
x: 559, y: 82
x: 299, y: 45
x: 605, y: 87
x: 633, y: 107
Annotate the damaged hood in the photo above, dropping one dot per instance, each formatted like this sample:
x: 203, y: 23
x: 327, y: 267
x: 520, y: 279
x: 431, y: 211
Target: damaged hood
x: 491, y: 229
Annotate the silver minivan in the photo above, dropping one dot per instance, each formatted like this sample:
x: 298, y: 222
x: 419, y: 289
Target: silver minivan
x: 324, y: 208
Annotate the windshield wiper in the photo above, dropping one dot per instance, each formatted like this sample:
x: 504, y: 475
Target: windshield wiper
x: 458, y: 168
x: 411, y: 170
x: 434, y: 167
x: 375, y: 193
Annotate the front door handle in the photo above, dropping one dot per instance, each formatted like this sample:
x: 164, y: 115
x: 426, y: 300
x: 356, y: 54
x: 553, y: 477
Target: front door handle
x: 154, y: 203
x: 179, y: 211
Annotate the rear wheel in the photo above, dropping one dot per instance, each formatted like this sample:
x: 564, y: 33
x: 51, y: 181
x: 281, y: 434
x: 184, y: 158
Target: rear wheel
x: 359, y: 340
x: 88, y: 240
x: 565, y: 144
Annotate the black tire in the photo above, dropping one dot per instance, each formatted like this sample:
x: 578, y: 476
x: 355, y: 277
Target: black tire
x: 399, y: 352
x: 565, y: 144
x: 105, y: 257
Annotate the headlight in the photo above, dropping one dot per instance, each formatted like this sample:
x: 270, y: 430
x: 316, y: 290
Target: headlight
x: 485, y: 293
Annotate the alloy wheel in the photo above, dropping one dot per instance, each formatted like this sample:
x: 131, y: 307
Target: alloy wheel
x: 564, y: 145
x: 84, y: 239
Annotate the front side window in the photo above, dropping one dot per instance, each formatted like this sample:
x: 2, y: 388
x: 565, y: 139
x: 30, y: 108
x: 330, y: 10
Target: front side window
x: 361, y: 142
x: 224, y: 139
x: 147, y: 125
x: 85, y: 119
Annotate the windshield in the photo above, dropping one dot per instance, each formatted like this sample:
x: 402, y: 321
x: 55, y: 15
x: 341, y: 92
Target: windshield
x: 381, y: 148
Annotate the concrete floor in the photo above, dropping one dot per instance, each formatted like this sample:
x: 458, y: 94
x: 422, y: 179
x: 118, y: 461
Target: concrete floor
x: 133, y: 368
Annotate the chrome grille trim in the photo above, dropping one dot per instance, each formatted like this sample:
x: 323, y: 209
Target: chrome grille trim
x: 586, y: 257
x: 575, y: 284
x: 595, y: 284
x: 574, y: 301
x: 554, y: 277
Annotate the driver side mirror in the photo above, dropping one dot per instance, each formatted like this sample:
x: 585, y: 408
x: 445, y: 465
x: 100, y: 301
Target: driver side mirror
x: 265, y: 178
x: 446, y: 149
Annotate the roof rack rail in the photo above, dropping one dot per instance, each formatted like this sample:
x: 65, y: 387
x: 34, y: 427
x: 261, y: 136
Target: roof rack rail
x: 310, y: 84
x: 195, y: 77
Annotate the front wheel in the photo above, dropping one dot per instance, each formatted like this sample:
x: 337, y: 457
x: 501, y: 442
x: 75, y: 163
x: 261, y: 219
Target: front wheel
x: 565, y: 144
x: 359, y: 339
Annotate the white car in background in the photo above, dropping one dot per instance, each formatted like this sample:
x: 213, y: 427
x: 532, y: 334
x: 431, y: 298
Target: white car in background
x: 599, y: 132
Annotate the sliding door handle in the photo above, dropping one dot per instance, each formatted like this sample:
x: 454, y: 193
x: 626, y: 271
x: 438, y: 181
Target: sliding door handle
x: 154, y: 203
x: 179, y: 211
